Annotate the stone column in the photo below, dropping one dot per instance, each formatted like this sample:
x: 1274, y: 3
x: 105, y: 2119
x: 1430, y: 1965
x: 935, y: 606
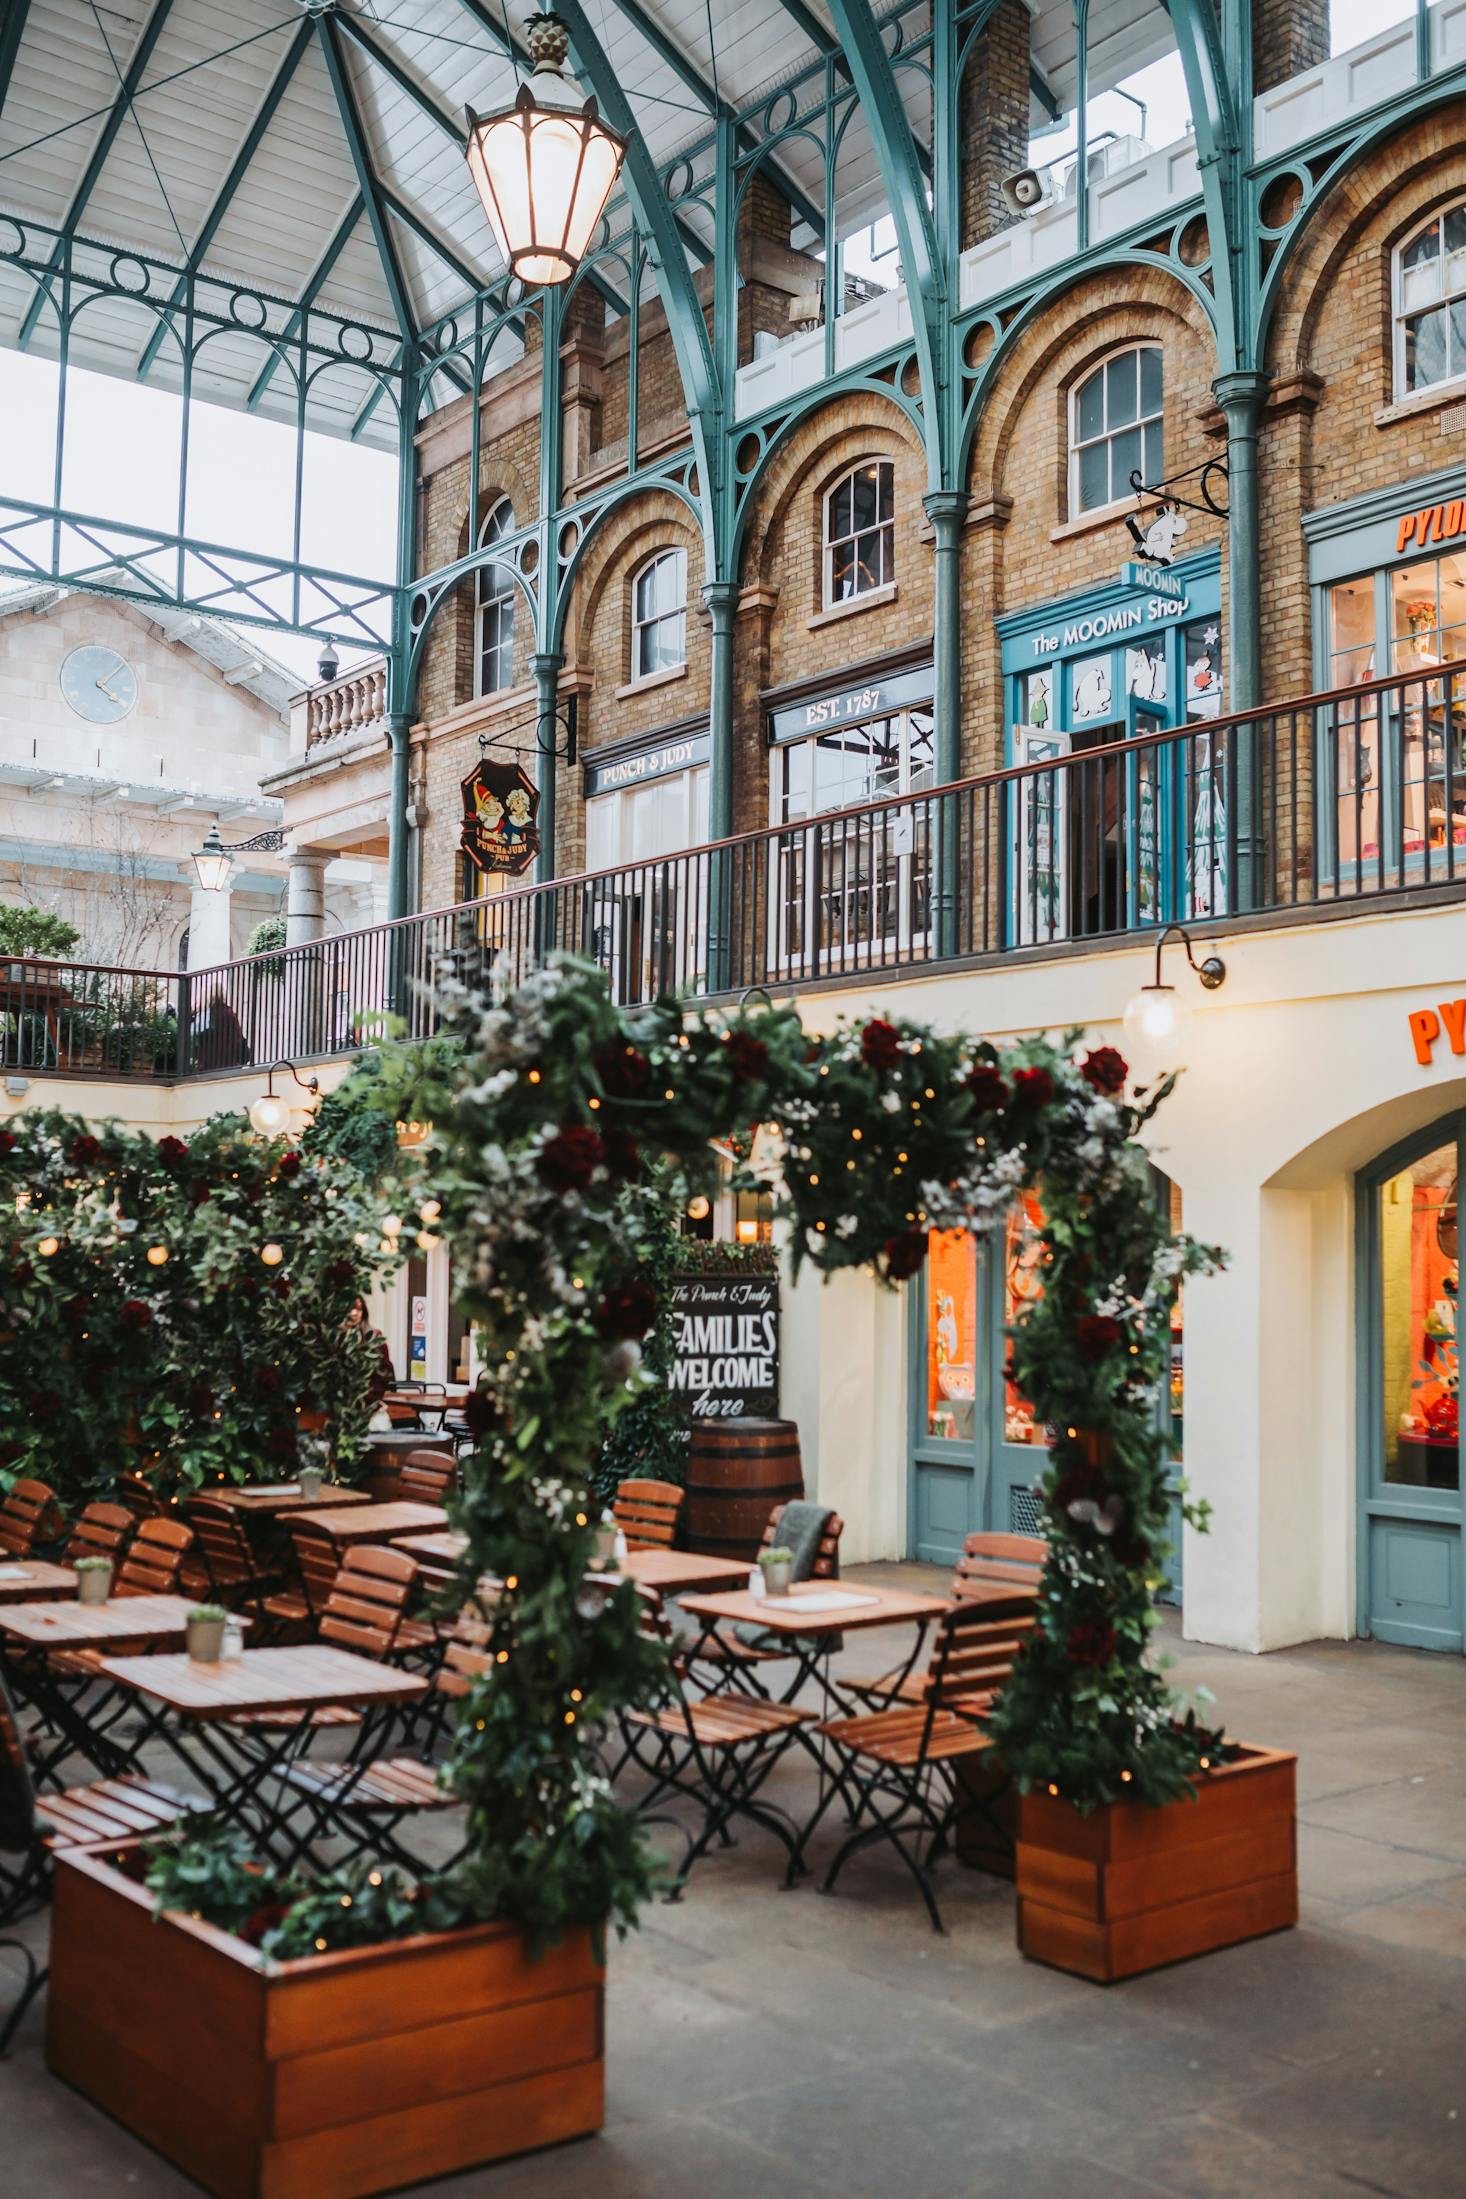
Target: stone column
x: 305, y: 897
x: 209, y: 917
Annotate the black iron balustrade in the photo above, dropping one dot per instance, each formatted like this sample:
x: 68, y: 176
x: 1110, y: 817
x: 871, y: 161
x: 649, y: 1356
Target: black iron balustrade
x: 1342, y: 797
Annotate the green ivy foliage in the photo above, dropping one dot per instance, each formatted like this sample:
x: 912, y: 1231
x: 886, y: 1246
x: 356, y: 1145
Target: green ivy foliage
x: 573, y: 1129
x: 215, y: 1874
x: 195, y: 1368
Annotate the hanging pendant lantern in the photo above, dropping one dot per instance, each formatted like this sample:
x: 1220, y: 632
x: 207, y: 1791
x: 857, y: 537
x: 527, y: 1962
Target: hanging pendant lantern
x: 546, y: 166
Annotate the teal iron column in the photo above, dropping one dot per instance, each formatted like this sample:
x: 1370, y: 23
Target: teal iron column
x: 399, y: 731
x: 947, y: 509
x: 546, y: 665
x: 1241, y: 398
x: 721, y: 598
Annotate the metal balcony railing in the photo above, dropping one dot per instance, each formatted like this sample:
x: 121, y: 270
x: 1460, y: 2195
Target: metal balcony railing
x: 1349, y: 797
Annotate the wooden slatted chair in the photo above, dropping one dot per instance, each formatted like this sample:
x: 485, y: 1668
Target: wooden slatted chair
x: 715, y: 1751
x: 647, y: 1513
x: 29, y: 1515
x: 232, y: 1573
x: 1000, y: 1570
x: 295, y: 1610
x: 102, y: 1530
x: 150, y: 1568
x: 427, y: 1477
x: 367, y: 1803
x: 901, y: 1763
x: 1001, y: 1573
x: 366, y: 1612
x: 33, y: 1828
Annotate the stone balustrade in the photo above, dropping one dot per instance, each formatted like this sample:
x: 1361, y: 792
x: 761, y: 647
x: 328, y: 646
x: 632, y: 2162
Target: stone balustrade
x: 350, y: 704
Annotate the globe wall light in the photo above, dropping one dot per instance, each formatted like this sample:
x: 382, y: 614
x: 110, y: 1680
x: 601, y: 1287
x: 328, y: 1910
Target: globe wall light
x: 545, y: 167
x: 1158, y: 1017
x: 270, y: 1113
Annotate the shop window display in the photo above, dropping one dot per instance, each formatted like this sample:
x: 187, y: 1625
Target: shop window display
x: 1420, y: 1277
x: 1022, y: 1284
x: 874, y: 878
x: 1400, y: 777
x: 951, y: 1335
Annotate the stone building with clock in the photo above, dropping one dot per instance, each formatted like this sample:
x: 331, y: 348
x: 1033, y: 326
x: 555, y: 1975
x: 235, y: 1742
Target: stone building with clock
x: 125, y: 734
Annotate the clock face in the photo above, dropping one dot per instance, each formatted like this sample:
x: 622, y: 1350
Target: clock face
x: 99, y: 683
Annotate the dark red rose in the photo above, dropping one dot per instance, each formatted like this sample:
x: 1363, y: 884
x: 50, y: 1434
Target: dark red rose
x: 481, y: 1412
x: 1131, y: 1550
x: 44, y: 1404
x: 288, y: 1165
x: 1079, y: 1484
x: 1090, y: 1642
x: 627, y: 1310
x: 7, y: 1142
x: 83, y: 1151
x: 1095, y: 1334
x: 267, y: 1380
x: 569, y: 1159
x: 282, y: 1442
x: 339, y: 1273
x: 24, y: 1273
x: 903, y: 1255
x: 623, y: 1154
x: 1105, y: 1069
x: 623, y: 1071
x: 262, y: 1920
x: 201, y: 1402
x: 748, y: 1057
x: 171, y: 1151
x: 198, y: 1193
x: 134, y: 1313
x: 880, y: 1044
x: 280, y: 1285
x: 1033, y: 1087
x: 75, y: 1309
x: 987, y: 1089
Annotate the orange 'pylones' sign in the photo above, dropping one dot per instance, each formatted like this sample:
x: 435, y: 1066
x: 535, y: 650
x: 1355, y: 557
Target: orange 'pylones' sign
x: 1427, y: 1024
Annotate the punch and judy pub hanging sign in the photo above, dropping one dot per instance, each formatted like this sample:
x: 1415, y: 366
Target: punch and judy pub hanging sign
x: 500, y: 805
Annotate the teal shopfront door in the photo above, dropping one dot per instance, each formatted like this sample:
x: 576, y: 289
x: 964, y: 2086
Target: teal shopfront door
x: 1410, y: 1524
x: 976, y: 1452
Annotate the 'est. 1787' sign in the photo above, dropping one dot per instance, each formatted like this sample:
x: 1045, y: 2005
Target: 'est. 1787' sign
x: 727, y: 1345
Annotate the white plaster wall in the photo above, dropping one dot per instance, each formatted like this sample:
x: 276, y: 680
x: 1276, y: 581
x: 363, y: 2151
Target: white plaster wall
x: 1300, y: 1071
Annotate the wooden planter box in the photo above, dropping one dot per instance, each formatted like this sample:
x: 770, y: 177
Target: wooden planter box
x: 1131, y: 1888
x: 345, y: 2074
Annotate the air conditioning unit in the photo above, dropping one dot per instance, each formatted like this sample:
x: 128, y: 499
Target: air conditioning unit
x: 1029, y: 190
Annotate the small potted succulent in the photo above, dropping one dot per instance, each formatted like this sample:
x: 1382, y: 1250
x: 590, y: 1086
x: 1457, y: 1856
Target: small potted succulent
x: 777, y: 1566
x: 93, y: 1579
x: 205, y: 1632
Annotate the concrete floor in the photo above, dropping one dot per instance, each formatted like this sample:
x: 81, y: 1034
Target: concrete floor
x: 764, y: 2045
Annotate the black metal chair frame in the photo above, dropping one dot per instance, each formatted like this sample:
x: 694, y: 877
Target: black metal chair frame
x: 922, y: 1798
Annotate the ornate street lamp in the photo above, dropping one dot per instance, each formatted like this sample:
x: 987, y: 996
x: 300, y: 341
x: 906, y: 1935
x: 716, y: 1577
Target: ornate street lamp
x: 546, y: 166
x: 214, y: 862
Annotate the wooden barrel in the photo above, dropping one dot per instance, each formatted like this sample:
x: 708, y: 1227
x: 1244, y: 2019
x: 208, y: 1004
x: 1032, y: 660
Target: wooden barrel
x: 737, y: 1471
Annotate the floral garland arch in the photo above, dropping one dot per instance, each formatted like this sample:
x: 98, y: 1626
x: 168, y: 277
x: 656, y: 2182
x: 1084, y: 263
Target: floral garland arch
x: 541, y: 1180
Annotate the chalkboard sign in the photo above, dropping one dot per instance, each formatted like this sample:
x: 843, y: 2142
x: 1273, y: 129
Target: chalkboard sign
x: 727, y: 1346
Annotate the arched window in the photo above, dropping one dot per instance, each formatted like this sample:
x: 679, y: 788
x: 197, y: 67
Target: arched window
x: 659, y: 615
x: 860, y: 531
x: 494, y: 617
x: 1116, y: 429
x: 1430, y: 303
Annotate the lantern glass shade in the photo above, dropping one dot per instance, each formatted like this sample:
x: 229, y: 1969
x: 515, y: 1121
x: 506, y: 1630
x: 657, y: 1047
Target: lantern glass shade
x: 269, y: 1114
x: 544, y: 171
x: 213, y: 862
